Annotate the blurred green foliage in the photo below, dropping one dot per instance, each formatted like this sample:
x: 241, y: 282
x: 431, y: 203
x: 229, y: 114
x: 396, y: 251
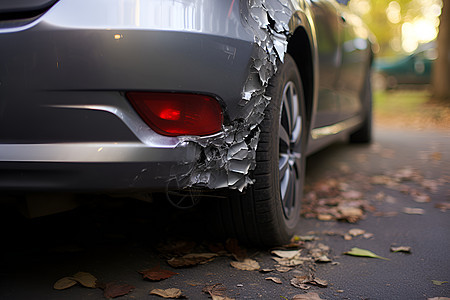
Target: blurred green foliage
x: 387, y: 19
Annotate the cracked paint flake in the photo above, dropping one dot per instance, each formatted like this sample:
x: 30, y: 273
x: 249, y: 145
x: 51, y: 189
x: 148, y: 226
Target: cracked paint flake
x: 226, y: 159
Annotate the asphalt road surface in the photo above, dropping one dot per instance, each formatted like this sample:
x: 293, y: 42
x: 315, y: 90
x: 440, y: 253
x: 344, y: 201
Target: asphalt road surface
x: 113, y: 239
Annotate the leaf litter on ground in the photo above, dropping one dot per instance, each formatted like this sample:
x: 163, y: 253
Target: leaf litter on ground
x: 363, y: 253
x: 157, y: 274
x: 114, y: 289
x: 247, y: 264
x: 307, y: 296
x: 191, y: 259
x: 171, y: 293
x: 405, y: 249
x: 83, y: 278
x: 216, y: 291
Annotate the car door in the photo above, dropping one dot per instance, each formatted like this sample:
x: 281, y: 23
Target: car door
x: 328, y: 33
x: 352, y: 74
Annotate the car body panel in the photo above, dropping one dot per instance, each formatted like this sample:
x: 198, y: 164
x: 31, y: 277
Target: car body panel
x: 64, y: 76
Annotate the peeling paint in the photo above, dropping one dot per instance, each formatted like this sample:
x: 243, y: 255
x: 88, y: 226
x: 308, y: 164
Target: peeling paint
x: 226, y: 159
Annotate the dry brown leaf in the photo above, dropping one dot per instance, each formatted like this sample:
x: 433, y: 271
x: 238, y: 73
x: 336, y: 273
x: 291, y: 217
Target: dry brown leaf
x: 356, y: 232
x: 156, y: 274
x: 266, y: 270
x: 350, y: 214
x: 324, y: 217
x: 347, y: 237
x: 436, y: 156
x: 216, y: 291
x: 431, y: 185
x: 289, y: 254
x: 413, y: 211
x: 368, y: 235
x: 421, y: 198
x: 298, y: 283
x: 291, y: 262
x: 113, y: 290
x: 171, y: 293
x: 322, y: 259
x: 283, y: 269
x: 233, y: 247
x: 405, y: 249
x: 191, y: 259
x: 443, y: 206
x: 319, y: 282
x: 85, y: 279
x: 246, y: 265
x: 352, y: 195
x: 64, y: 283
x: 307, y: 296
x: 275, y: 279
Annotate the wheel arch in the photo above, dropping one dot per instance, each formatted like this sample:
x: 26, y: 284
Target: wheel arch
x: 301, y: 46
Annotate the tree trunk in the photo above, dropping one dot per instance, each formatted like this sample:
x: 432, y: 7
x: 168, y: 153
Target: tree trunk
x: 441, y: 67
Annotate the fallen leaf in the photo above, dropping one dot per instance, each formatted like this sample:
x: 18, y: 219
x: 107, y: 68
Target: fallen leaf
x: 113, y: 290
x: 436, y: 156
x: 291, y: 262
x: 347, y: 237
x: 156, y: 274
x: 322, y: 259
x: 298, y: 283
x: 356, y: 232
x: 437, y: 282
x: 283, y: 269
x: 171, y: 293
x: 238, y: 253
x: 85, y: 279
x: 421, y: 198
x: 191, y: 259
x: 439, y: 298
x: 306, y: 238
x: 364, y: 253
x: 216, y: 291
x: 444, y: 206
x: 246, y: 265
x: 413, y: 211
x: 266, y: 270
x: 307, y: 296
x: 323, y: 217
x: 64, y: 283
x: 368, y: 235
x: 289, y: 254
x: 352, y: 195
x: 319, y: 282
x: 405, y: 249
x: 275, y: 279
x: 350, y: 214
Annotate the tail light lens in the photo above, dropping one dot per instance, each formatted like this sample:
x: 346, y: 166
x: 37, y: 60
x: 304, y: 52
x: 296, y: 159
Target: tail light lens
x: 174, y: 114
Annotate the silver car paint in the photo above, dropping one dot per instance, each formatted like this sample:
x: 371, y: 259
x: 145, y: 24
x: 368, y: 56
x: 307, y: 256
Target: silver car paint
x: 80, y: 55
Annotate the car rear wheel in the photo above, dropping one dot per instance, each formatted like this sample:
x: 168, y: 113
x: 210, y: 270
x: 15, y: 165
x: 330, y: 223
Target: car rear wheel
x: 268, y: 211
x: 364, y: 133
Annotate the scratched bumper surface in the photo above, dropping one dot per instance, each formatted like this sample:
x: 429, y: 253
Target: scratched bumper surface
x: 63, y: 79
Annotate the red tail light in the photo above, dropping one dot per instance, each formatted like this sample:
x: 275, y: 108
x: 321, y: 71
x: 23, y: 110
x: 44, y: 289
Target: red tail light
x: 174, y: 114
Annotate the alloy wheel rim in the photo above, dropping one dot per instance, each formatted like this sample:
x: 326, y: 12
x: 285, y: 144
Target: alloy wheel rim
x: 290, y: 130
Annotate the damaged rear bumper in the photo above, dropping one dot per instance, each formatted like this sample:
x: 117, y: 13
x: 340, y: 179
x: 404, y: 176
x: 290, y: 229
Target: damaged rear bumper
x: 65, y: 122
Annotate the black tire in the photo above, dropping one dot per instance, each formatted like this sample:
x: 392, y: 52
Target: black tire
x: 268, y: 211
x: 364, y: 133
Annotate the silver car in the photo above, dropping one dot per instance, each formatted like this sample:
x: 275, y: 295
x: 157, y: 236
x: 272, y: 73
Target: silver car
x: 223, y: 97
